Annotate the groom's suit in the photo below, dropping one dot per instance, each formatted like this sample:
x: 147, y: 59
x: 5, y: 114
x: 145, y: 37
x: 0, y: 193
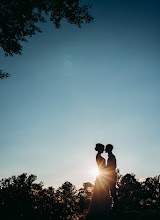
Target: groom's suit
x: 112, y: 175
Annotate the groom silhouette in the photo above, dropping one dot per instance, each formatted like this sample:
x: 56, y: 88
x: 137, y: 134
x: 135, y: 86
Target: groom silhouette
x: 111, y: 171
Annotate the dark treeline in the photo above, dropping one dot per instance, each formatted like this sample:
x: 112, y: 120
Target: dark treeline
x: 22, y: 198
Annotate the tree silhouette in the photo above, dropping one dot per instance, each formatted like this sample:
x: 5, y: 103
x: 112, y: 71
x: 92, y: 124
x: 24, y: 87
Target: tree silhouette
x: 16, y: 197
x: 22, y: 198
x: 138, y: 199
x: 66, y: 196
x: 19, y: 19
x: 3, y: 75
x: 128, y: 193
x: 85, y: 194
x: 150, y: 193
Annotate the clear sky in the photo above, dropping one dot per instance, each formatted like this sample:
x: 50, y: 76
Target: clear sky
x: 72, y: 88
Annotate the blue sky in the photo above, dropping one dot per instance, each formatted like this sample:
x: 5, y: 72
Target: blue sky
x: 72, y: 88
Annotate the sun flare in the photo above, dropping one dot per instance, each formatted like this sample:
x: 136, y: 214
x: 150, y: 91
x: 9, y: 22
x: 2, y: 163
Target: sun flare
x: 94, y: 172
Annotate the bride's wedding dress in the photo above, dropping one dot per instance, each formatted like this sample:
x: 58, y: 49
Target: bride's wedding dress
x: 100, y: 204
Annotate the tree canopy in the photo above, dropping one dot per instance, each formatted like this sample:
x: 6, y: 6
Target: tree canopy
x: 22, y: 198
x: 19, y: 20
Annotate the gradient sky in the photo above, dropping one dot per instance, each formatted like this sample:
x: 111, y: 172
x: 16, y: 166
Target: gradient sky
x: 72, y: 88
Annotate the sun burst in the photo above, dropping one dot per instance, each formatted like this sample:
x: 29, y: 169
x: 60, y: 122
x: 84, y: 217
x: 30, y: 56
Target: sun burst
x: 94, y: 172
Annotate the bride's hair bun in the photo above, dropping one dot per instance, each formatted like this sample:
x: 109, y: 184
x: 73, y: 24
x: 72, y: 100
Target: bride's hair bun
x: 99, y: 147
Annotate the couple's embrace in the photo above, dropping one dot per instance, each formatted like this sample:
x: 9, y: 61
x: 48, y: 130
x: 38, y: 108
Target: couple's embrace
x: 105, y: 184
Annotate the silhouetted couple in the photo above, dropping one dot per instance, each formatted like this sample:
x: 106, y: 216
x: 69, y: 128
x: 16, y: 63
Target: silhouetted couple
x: 105, y: 184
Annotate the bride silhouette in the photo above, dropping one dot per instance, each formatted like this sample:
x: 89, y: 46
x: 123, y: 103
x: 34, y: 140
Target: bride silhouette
x: 100, y: 203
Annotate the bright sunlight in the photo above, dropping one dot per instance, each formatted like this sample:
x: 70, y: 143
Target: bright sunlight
x: 94, y: 172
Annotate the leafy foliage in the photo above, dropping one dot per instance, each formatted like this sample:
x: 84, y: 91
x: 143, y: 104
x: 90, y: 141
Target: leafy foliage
x: 66, y: 196
x: 3, y: 75
x: 19, y: 19
x: 16, y: 197
x: 22, y: 198
x: 138, y: 199
x: 129, y: 193
x: 85, y: 194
